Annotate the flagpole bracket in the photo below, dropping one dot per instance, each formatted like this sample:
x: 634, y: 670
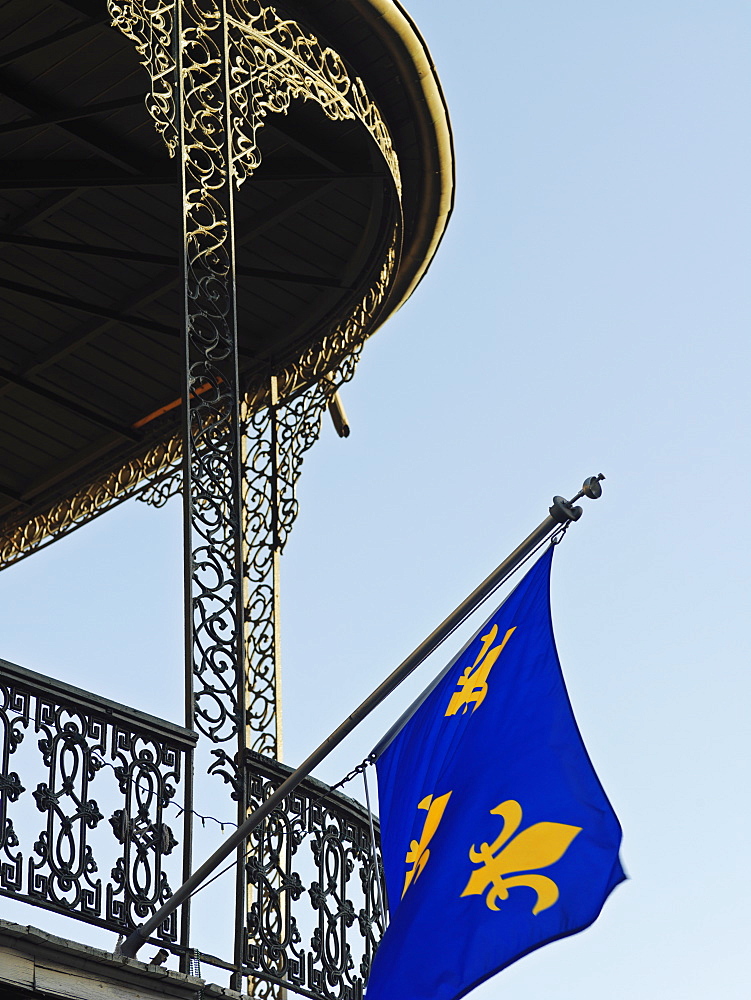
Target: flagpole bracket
x: 563, y: 512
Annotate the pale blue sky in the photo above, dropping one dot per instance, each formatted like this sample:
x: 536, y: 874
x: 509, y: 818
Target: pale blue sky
x: 588, y: 311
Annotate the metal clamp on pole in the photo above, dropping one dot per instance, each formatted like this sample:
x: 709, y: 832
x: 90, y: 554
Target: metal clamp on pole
x: 562, y: 512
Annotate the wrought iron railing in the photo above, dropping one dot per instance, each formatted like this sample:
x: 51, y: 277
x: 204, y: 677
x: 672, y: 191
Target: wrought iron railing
x: 92, y: 795
x: 314, y: 903
x: 104, y: 778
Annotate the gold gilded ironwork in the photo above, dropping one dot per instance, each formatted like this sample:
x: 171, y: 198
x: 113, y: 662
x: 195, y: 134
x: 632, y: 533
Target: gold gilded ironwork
x: 237, y: 61
x: 152, y: 475
x: 150, y: 25
x: 275, y: 61
x: 271, y: 62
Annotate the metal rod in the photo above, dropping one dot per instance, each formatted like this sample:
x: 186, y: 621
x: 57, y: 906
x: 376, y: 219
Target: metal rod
x: 560, y: 513
x: 374, y: 850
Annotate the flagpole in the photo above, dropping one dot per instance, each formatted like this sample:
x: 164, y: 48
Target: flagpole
x: 561, y: 512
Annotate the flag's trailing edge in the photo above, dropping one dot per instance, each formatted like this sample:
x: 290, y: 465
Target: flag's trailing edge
x: 497, y: 835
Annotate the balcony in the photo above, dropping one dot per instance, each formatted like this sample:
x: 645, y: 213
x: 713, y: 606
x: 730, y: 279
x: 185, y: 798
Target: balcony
x: 94, y: 825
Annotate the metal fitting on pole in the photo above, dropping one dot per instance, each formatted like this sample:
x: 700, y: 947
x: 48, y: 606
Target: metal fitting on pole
x: 563, y: 511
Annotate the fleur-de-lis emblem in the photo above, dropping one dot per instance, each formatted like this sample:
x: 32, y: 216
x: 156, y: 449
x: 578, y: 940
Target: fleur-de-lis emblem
x: 473, y: 683
x: 418, y: 852
x: 538, y: 846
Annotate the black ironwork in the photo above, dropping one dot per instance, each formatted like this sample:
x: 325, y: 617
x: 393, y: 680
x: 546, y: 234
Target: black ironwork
x: 314, y: 919
x: 212, y: 460
x: 277, y: 437
x: 212, y: 491
x: 105, y: 776
x: 80, y: 757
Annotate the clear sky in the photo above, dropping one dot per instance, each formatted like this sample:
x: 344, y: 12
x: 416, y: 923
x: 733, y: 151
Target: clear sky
x: 587, y: 312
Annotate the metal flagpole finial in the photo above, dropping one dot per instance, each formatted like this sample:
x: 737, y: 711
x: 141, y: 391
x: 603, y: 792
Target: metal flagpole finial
x: 563, y: 511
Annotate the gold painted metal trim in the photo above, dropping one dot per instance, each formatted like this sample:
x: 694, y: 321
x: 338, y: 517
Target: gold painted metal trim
x: 70, y: 513
x: 416, y: 68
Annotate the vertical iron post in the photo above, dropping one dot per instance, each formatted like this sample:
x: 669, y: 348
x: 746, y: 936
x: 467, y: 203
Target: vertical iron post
x: 214, y: 605
x: 187, y: 854
x: 276, y: 551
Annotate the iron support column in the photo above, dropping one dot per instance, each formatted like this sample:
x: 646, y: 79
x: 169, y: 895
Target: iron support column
x: 212, y: 487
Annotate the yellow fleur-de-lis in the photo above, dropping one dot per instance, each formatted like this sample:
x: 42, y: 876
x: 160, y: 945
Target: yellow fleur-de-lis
x: 418, y: 852
x: 538, y: 846
x: 473, y: 683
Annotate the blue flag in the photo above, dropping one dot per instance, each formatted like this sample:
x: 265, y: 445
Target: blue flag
x: 497, y: 836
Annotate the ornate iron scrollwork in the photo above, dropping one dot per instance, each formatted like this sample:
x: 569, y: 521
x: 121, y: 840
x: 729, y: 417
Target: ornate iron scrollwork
x: 212, y: 486
x: 314, y: 918
x: 159, y: 489
x: 150, y: 25
x: 147, y: 774
x: 189, y: 47
x: 106, y: 491
x: 277, y: 437
x: 86, y: 760
x: 273, y: 60
x: 72, y: 749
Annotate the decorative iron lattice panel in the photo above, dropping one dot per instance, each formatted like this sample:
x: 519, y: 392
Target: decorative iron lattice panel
x: 276, y: 439
x: 274, y: 60
x: 314, y: 917
x: 103, y: 778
